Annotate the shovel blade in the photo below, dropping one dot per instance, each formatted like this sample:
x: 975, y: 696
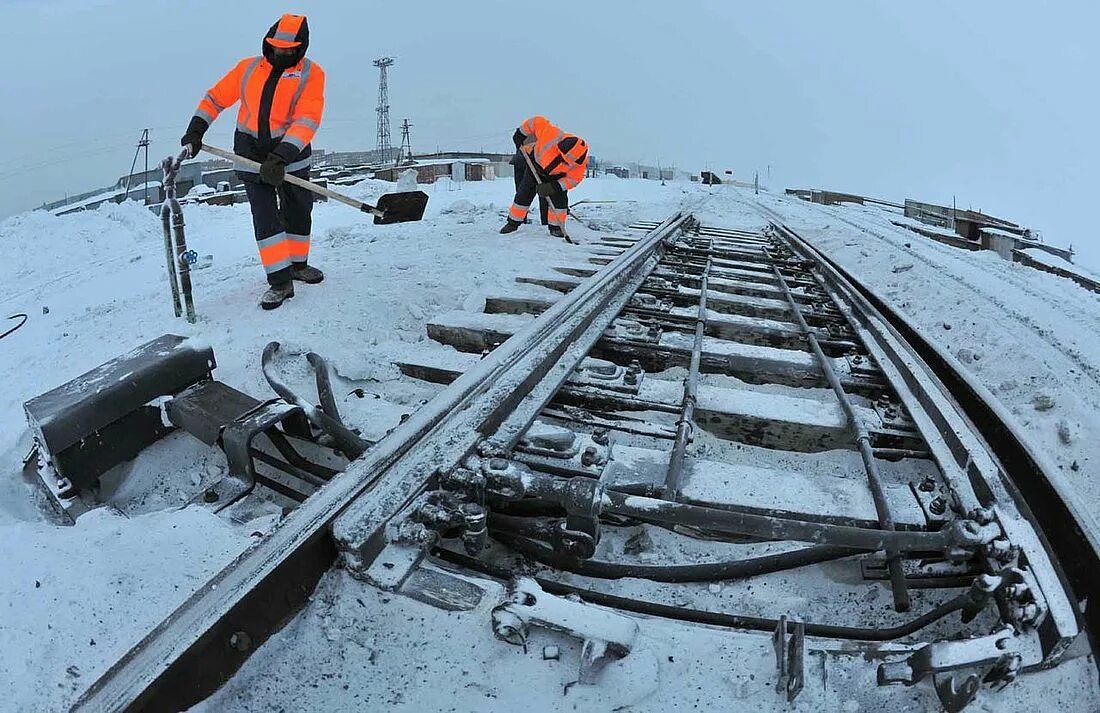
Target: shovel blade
x: 401, y: 207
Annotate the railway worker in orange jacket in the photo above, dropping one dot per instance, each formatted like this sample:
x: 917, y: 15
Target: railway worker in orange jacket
x: 560, y: 161
x: 282, y: 97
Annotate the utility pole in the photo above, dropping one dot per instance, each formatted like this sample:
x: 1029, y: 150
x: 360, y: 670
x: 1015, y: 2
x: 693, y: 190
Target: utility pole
x: 406, y: 142
x: 143, y: 143
x: 383, y: 107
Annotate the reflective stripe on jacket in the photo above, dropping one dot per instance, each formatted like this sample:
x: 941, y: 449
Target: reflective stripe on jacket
x: 289, y: 112
x: 562, y: 157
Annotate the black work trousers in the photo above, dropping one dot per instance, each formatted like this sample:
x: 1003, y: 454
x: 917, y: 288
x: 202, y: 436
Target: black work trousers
x: 282, y: 218
x: 521, y: 170
x: 527, y: 189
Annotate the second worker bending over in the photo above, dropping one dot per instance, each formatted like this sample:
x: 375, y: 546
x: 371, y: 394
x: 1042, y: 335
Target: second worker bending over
x: 560, y: 162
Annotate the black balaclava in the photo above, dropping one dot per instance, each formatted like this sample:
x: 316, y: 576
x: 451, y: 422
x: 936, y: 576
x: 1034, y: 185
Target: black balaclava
x: 290, y: 60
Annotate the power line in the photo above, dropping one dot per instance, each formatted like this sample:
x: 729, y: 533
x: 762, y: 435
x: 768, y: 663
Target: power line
x: 21, y: 173
x: 66, y: 147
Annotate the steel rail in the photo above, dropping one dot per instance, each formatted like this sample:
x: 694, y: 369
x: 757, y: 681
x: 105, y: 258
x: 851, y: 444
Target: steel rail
x: 207, y: 638
x: 981, y: 453
x: 1066, y: 530
x: 518, y: 397
x: 863, y: 442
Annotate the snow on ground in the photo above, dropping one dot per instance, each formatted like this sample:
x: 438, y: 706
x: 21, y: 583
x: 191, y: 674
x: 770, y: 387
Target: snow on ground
x: 356, y: 647
x: 382, y: 651
x: 1060, y: 262
x: 94, y: 286
x: 73, y: 600
x: 1032, y: 338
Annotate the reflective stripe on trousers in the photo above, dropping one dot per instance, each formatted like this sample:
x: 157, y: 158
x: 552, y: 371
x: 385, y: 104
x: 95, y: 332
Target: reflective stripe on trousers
x: 299, y: 247
x: 275, y: 252
x: 280, y: 251
x: 518, y: 212
x: 556, y: 216
x: 282, y: 222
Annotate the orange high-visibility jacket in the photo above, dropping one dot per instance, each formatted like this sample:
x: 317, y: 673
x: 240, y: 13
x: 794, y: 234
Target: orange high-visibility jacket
x: 275, y: 107
x: 562, y: 157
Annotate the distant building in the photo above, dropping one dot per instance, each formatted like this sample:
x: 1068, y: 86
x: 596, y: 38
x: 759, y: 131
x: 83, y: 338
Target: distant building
x: 500, y: 163
x: 429, y: 171
x: 148, y: 183
x: 323, y: 159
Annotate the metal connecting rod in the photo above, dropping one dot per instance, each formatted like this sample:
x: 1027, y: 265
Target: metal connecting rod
x: 863, y: 441
x: 691, y: 383
x: 958, y: 534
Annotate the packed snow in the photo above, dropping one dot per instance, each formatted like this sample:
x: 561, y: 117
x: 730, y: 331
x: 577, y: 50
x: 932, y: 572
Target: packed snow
x: 1030, y: 337
x: 72, y: 599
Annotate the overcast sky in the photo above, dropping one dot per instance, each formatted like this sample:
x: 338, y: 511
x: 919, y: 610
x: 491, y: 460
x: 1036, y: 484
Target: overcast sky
x: 992, y: 103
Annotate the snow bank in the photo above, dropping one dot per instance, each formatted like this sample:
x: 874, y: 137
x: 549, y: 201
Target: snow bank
x: 72, y: 600
x: 1032, y: 338
x: 1057, y: 261
x: 42, y: 250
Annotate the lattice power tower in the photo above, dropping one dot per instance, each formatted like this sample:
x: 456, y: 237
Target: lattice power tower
x: 383, y: 107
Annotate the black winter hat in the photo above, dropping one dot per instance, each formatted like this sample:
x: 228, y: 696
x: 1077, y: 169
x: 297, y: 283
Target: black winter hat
x: 291, y: 31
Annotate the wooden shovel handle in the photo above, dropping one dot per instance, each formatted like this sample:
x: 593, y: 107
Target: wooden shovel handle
x: 294, y: 180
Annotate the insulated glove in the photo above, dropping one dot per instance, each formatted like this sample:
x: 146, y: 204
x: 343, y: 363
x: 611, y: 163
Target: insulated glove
x: 192, y: 138
x: 518, y: 138
x: 273, y: 170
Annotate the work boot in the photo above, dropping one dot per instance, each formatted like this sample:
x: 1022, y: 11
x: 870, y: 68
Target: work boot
x: 510, y: 227
x: 557, y: 231
x: 306, y: 273
x: 276, y: 295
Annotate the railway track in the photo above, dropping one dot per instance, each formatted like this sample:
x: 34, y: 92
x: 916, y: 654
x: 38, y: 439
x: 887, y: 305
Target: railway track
x: 1082, y: 317
x: 710, y: 426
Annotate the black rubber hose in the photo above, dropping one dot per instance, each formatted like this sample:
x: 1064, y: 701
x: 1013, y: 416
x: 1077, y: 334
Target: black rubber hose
x: 732, y: 621
x: 346, y: 441
x: 15, y: 316
x: 701, y: 572
x: 324, y: 386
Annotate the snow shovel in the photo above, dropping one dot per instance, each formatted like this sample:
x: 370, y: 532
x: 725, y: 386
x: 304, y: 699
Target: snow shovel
x: 392, y: 207
x: 535, y: 174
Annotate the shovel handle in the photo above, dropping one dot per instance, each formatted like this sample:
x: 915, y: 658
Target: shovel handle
x: 531, y: 165
x: 294, y: 180
x: 535, y: 175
